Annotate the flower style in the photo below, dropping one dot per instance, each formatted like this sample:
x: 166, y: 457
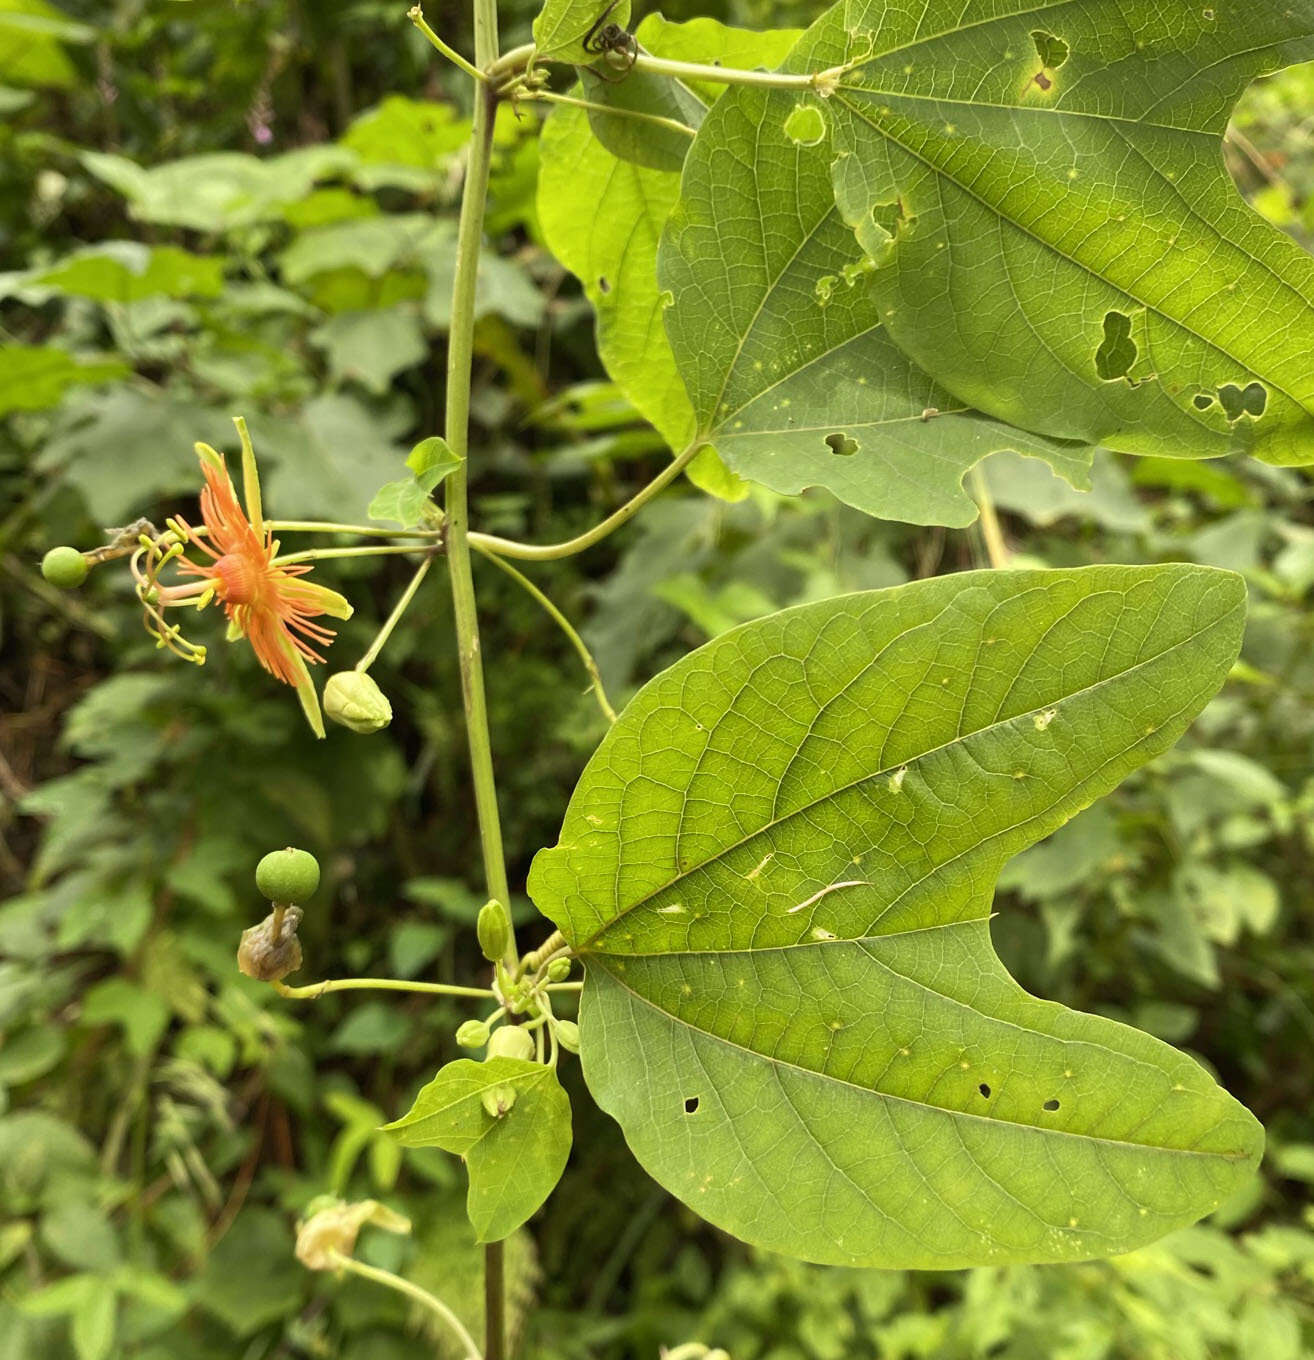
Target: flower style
x: 266, y: 601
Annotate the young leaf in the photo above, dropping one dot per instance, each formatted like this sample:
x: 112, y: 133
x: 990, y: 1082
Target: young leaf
x: 778, y: 869
x: 622, y: 207
x: 1055, y: 236
x: 409, y: 501
x: 776, y: 329
x: 514, y: 1159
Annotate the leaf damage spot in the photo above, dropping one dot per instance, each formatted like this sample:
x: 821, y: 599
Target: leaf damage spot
x: 805, y: 125
x: 1051, y: 49
x: 842, y: 445
x: 1050, y: 1106
x: 826, y: 891
x: 897, y: 778
x: 985, y: 1090
x: 1043, y: 720
x: 1117, y: 353
x: 1202, y: 401
x: 825, y: 286
x: 603, y: 285
x: 1237, y: 402
x: 691, y: 1104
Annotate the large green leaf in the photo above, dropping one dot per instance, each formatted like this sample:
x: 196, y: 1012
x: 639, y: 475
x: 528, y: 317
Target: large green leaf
x: 776, y: 328
x: 602, y: 217
x: 1041, y: 192
x: 778, y: 869
x: 514, y: 1159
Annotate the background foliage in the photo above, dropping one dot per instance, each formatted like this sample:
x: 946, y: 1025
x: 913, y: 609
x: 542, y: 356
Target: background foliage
x: 207, y: 209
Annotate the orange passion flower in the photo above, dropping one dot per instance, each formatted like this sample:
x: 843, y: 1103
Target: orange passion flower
x: 267, y: 602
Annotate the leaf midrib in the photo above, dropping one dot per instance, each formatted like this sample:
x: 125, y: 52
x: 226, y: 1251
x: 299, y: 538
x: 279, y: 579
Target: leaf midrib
x: 910, y: 760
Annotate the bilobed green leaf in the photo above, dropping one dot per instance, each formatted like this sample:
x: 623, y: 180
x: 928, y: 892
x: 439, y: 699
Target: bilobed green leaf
x: 602, y: 217
x: 776, y: 327
x: 1055, y: 238
x: 778, y: 870
x: 514, y: 1159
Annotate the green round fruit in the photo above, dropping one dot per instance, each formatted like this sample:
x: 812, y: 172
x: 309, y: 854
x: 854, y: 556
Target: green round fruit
x: 64, y: 567
x: 288, y: 875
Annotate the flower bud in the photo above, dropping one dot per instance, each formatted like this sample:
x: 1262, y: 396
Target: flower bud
x: 473, y: 1034
x: 511, y: 1041
x: 493, y: 929
x: 288, y: 875
x: 567, y: 1032
x: 330, y: 1231
x: 558, y: 970
x: 497, y: 1100
x: 354, y: 700
x: 64, y: 567
x: 269, y: 954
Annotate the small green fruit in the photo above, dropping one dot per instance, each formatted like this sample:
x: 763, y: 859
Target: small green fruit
x: 558, y: 970
x: 288, y: 875
x: 493, y: 929
x: 511, y: 1041
x: 472, y: 1034
x: 567, y: 1032
x: 354, y: 700
x: 64, y: 567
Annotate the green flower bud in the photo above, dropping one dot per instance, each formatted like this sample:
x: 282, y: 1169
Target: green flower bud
x: 288, y: 875
x: 269, y: 955
x: 64, y: 567
x: 511, y: 1041
x: 567, y: 1032
x: 472, y: 1034
x: 493, y: 929
x: 354, y: 700
x: 558, y: 970
x: 497, y: 1100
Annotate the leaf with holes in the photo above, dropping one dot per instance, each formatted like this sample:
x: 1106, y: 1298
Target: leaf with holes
x: 776, y: 329
x: 778, y: 870
x: 1040, y: 196
x: 515, y: 1158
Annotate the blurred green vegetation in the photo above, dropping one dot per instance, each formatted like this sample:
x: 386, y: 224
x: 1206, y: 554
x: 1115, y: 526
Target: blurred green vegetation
x: 209, y: 209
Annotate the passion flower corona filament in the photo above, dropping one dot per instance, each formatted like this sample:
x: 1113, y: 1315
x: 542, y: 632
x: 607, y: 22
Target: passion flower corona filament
x: 266, y: 602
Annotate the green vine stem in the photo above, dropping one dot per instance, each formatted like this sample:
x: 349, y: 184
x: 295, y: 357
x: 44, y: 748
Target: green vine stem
x: 394, y: 618
x: 460, y: 357
x: 312, y: 990
x: 577, y: 642
x: 547, y: 552
x: 412, y: 1291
